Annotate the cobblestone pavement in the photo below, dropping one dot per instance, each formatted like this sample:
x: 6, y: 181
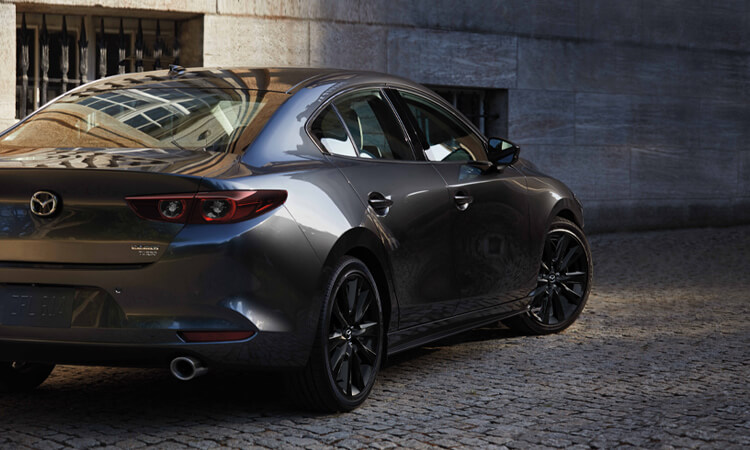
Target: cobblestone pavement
x: 659, y: 358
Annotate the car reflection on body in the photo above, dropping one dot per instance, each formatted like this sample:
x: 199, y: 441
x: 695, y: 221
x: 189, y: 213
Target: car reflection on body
x: 309, y: 221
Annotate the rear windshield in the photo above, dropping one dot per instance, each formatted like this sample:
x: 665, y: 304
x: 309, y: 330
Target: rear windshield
x: 183, y: 118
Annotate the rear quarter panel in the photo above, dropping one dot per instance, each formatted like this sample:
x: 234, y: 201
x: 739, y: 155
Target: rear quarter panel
x: 321, y: 200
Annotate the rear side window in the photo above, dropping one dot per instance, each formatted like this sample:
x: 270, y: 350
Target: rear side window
x: 373, y: 126
x: 446, y: 139
x: 331, y: 133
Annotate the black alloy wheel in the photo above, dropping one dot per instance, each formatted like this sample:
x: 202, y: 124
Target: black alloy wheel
x: 353, y: 335
x: 18, y: 376
x: 348, y: 350
x: 563, y: 283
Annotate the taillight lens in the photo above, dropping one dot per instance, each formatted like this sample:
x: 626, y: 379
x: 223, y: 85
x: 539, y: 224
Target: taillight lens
x: 207, y: 207
x: 213, y: 209
x: 172, y: 209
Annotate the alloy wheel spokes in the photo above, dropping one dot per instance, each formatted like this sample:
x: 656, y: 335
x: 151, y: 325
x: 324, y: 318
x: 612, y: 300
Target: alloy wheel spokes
x: 338, y: 358
x: 562, y: 279
x: 345, y: 373
x: 561, y: 246
x: 549, y: 251
x: 557, y: 307
x: 546, y: 309
x: 540, y: 289
x: 335, y: 340
x: 363, y: 303
x: 351, y: 296
x: 339, y: 315
x: 572, y: 253
x: 576, y: 297
x: 366, y: 352
x: 365, y: 328
x: 353, y: 335
x: 356, y: 382
x: 575, y: 277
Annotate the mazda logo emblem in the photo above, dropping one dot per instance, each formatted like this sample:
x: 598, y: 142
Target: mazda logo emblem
x: 43, y: 203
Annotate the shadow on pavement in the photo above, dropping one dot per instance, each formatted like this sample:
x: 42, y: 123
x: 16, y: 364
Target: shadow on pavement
x: 151, y: 396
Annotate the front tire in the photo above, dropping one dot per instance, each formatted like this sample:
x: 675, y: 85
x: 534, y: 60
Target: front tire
x: 563, y: 283
x: 348, y: 348
x: 17, y: 376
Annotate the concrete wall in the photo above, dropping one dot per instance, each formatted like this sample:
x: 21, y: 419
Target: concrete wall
x: 641, y: 106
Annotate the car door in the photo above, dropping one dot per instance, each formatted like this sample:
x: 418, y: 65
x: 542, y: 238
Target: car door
x: 489, y: 226
x: 405, y: 200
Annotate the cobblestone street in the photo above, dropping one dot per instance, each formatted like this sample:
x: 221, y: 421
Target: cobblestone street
x: 659, y: 358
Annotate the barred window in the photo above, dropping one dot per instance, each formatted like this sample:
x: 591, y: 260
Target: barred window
x: 487, y: 109
x: 56, y: 52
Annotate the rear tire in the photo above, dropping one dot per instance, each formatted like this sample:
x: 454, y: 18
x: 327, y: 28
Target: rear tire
x: 348, y: 348
x: 20, y: 376
x: 563, y: 283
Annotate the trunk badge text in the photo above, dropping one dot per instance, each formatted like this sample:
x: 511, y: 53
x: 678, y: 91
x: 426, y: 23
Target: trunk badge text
x: 145, y: 250
x: 43, y: 203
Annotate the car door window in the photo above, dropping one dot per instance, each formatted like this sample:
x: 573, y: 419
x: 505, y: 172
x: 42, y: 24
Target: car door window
x: 373, y: 126
x: 331, y: 133
x: 445, y: 137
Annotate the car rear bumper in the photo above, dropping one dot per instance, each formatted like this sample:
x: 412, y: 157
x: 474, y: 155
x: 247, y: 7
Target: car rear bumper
x: 259, y: 276
x: 147, y: 348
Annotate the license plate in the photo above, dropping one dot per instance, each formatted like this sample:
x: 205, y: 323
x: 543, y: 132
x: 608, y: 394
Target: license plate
x: 36, y: 306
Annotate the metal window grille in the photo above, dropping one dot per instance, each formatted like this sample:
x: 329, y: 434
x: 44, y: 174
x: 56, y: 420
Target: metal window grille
x: 475, y: 104
x: 54, y: 52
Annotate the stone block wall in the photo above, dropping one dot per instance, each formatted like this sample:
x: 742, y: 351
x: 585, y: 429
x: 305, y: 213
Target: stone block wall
x: 640, y: 106
x: 7, y: 71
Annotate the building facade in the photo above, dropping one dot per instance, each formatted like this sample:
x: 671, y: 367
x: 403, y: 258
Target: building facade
x: 640, y: 106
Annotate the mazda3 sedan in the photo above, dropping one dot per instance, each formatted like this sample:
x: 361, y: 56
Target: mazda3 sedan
x: 303, y: 220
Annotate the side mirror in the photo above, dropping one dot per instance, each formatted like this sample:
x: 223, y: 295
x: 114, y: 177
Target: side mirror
x: 502, y: 152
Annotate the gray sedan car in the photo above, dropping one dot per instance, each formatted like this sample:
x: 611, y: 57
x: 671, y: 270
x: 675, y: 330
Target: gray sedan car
x: 309, y: 221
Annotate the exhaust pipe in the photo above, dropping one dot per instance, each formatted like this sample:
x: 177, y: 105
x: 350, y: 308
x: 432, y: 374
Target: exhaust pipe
x: 185, y: 368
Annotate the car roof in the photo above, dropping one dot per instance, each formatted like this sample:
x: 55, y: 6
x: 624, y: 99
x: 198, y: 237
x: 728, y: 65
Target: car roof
x: 276, y: 79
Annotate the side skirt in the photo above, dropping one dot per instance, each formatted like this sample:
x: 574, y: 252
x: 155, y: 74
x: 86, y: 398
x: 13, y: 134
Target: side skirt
x: 419, y: 335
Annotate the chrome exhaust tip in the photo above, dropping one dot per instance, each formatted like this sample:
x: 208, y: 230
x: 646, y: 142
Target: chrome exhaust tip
x: 185, y: 368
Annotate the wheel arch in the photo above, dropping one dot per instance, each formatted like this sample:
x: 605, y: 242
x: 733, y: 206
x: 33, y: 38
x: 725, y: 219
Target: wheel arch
x: 545, y: 213
x: 569, y: 209
x: 364, y: 245
x: 568, y: 215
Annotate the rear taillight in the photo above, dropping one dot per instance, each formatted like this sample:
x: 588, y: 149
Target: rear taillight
x: 207, y: 207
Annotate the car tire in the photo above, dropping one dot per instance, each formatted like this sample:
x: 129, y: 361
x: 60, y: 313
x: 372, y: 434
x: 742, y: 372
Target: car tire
x: 563, y: 284
x: 349, y: 345
x: 21, y: 376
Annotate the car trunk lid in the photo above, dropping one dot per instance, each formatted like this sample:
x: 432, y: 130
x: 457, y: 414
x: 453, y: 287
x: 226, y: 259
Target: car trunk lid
x: 92, y: 223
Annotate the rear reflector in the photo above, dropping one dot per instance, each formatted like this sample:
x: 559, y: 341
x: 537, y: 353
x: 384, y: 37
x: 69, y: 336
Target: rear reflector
x: 207, y: 207
x: 215, y: 336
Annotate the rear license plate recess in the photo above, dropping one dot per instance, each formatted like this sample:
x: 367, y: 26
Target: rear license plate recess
x: 36, y: 306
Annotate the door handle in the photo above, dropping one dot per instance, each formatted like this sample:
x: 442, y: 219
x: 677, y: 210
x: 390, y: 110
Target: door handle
x: 379, y: 202
x: 462, y: 200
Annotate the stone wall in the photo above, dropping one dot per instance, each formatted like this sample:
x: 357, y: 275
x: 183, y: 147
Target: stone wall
x: 7, y: 71
x: 640, y: 106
